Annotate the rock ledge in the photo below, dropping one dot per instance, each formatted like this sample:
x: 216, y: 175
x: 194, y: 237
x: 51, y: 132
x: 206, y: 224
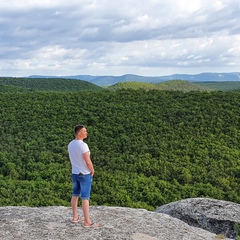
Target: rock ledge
x: 213, y: 215
x: 116, y: 223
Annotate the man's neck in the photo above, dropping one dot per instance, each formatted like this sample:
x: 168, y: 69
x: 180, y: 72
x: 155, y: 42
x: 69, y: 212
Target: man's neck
x: 78, y: 138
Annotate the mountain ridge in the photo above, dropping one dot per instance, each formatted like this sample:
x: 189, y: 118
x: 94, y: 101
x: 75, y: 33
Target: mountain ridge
x: 107, y: 80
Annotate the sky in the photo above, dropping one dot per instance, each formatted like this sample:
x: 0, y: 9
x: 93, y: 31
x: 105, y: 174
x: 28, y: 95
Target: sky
x: 112, y: 37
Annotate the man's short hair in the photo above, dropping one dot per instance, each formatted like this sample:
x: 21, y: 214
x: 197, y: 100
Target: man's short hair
x: 77, y: 128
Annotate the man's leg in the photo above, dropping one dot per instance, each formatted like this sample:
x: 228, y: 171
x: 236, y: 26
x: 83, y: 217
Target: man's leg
x: 74, y: 203
x: 85, y: 208
x: 87, y: 221
x: 86, y: 185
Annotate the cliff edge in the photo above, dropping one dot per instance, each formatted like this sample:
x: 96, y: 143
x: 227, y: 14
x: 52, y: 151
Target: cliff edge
x: 54, y: 222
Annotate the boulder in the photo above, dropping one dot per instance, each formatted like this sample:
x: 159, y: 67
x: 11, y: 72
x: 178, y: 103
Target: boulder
x: 213, y: 215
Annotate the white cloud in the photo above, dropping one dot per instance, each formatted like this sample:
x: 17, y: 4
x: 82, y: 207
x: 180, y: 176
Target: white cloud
x: 152, y: 37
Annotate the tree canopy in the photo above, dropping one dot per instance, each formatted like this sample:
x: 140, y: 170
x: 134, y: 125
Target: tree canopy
x: 148, y: 147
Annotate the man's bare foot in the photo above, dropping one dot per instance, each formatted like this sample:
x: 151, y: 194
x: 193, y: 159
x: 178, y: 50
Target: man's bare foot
x: 91, y: 225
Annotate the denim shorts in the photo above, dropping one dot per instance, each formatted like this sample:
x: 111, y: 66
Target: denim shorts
x: 82, y: 186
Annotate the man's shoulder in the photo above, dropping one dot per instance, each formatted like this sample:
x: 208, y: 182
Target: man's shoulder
x: 71, y: 142
x: 77, y: 142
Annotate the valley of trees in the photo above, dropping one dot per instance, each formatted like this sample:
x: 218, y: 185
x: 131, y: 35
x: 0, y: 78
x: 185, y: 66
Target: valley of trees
x: 149, y: 148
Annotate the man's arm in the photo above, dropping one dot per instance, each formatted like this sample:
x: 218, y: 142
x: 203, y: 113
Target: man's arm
x: 88, y: 161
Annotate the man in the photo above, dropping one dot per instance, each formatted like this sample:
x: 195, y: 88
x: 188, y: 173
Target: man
x: 82, y: 175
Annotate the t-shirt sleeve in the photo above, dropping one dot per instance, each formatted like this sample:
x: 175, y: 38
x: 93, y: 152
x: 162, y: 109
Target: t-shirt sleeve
x: 85, y: 148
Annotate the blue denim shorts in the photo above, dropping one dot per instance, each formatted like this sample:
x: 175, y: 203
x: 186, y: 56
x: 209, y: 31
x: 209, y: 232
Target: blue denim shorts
x: 81, y: 186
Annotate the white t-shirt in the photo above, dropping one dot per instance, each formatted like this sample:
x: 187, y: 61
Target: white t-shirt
x: 76, y: 149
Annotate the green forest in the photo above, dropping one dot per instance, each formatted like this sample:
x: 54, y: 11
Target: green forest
x: 10, y: 84
x: 149, y: 147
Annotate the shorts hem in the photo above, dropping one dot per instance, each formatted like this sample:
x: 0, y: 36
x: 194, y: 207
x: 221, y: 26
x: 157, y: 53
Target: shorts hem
x: 75, y: 195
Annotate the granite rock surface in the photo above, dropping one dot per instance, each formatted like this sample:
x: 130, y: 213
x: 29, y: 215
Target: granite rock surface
x: 54, y: 223
x: 213, y: 215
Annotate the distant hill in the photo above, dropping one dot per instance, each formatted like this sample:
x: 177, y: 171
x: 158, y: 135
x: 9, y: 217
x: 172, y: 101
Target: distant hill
x: 205, y: 77
x: 175, y: 85
x: 111, y: 80
x: 107, y: 80
x: 9, y: 84
x: 182, y: 85
x: 222, y: 86
x: 133, y: 85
